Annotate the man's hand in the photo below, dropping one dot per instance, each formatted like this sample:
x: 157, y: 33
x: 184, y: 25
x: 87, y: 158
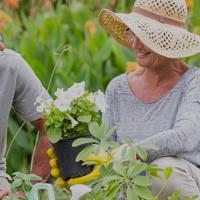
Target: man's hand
x: 5, y: 188
x: 2, y: 46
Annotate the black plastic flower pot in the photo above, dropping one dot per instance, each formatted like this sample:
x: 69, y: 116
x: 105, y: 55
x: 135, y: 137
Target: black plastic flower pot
x: 67, y: 159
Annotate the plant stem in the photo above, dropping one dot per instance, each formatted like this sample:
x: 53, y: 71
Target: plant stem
x: 65, y: 48
x: 14, y: 138
x: 161, y: 190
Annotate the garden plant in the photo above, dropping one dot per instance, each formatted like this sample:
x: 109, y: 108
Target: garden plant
x: 41, y: 31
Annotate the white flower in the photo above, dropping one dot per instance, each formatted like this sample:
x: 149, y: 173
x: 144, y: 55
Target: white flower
x: 62, y: 104
x: 41, y: 108
x: 79, y: 190
x: 100, y: 101
x: 41, y: 104
x: 91, y: 98
x: 77, y: 90
x: 60, y: 93
x: 73, y: 121
x: 49, y: 103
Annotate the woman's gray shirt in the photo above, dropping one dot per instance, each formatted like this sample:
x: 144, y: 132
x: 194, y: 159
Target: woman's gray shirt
x: 172, y: 122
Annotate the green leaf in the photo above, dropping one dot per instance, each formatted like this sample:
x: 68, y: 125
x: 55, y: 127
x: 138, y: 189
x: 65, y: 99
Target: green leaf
x: 16, y: 183
x: 81, y: 141
x: 175, y: 195
x: 94, y: 129
x: 112, y: 144
x: 119, y: 169
x: 168, y: 172
x: 26, y: 187
x: 142, y: 153
x: 103, y: 171
x: 34, y: 177
x: 113, y: 190
x: 85, y: 153
x: 109, y: 133
x: 103, y: 52
x: 132, y: 154
x: 130, y: 171
x: 142, y: 181
x: 139, y: 168
x: 108, y: 179
x: 131, y: 194
x: 153, y: 170
x: 84, y: 118
x: 89, y: 163
x: 143, y: 192
x: 54, y: 134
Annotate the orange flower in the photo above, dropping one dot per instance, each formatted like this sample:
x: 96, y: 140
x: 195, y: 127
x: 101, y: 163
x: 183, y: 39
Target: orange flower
x: 132, y: 66
x: 90, y: 27
x: 12, y: 3
x: 113, y: 2
x: 3, y: 19
x: 189, y: 3
x: 47, y: 5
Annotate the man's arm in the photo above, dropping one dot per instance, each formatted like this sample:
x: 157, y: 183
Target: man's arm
x: 41, y: 161
x: 2, y: 46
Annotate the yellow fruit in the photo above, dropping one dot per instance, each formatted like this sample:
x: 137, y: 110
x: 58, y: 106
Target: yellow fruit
x: 60, y: 182
x: 53, y: 163
x: 55, y: 172
x: 51, y: 153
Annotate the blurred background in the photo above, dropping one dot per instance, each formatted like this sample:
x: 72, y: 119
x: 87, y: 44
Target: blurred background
x: 42, y: 29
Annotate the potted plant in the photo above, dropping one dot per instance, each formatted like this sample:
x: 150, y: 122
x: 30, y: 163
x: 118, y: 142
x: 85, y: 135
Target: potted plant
x: 67, y: 118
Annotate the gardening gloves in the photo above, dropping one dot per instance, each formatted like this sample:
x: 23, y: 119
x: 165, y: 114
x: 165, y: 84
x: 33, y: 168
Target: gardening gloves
x: 103, y: 158
x: 99, y: 160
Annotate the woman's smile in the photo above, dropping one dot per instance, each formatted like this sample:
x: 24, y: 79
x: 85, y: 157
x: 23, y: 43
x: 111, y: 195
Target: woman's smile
x: 141, y: 55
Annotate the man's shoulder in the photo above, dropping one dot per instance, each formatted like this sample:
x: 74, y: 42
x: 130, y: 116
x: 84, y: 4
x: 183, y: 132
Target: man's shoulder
x: 10, y: 60
x: 9, y: 53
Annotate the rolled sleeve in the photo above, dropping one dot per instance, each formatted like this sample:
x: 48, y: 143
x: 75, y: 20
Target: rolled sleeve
x: 3, y: 169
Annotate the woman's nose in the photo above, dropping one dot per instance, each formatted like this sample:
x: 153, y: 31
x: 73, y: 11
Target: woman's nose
x: 135, y: 43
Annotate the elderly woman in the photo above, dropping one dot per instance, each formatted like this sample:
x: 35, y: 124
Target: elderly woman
x: 160, y: 103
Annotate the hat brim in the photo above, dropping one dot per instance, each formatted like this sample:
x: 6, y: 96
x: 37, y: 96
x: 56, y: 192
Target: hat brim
x: 164, y: 39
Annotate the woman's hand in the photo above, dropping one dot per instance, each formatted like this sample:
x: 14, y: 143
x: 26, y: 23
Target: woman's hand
x: 5, y: 188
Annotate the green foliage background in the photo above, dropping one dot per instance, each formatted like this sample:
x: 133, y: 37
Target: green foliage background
x: 95, y: 58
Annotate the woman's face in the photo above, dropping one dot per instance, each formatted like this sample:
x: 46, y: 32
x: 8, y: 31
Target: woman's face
x: 145, y: 57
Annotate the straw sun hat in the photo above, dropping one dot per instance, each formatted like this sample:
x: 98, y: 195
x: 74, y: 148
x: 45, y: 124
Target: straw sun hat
x: 159, y: 24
